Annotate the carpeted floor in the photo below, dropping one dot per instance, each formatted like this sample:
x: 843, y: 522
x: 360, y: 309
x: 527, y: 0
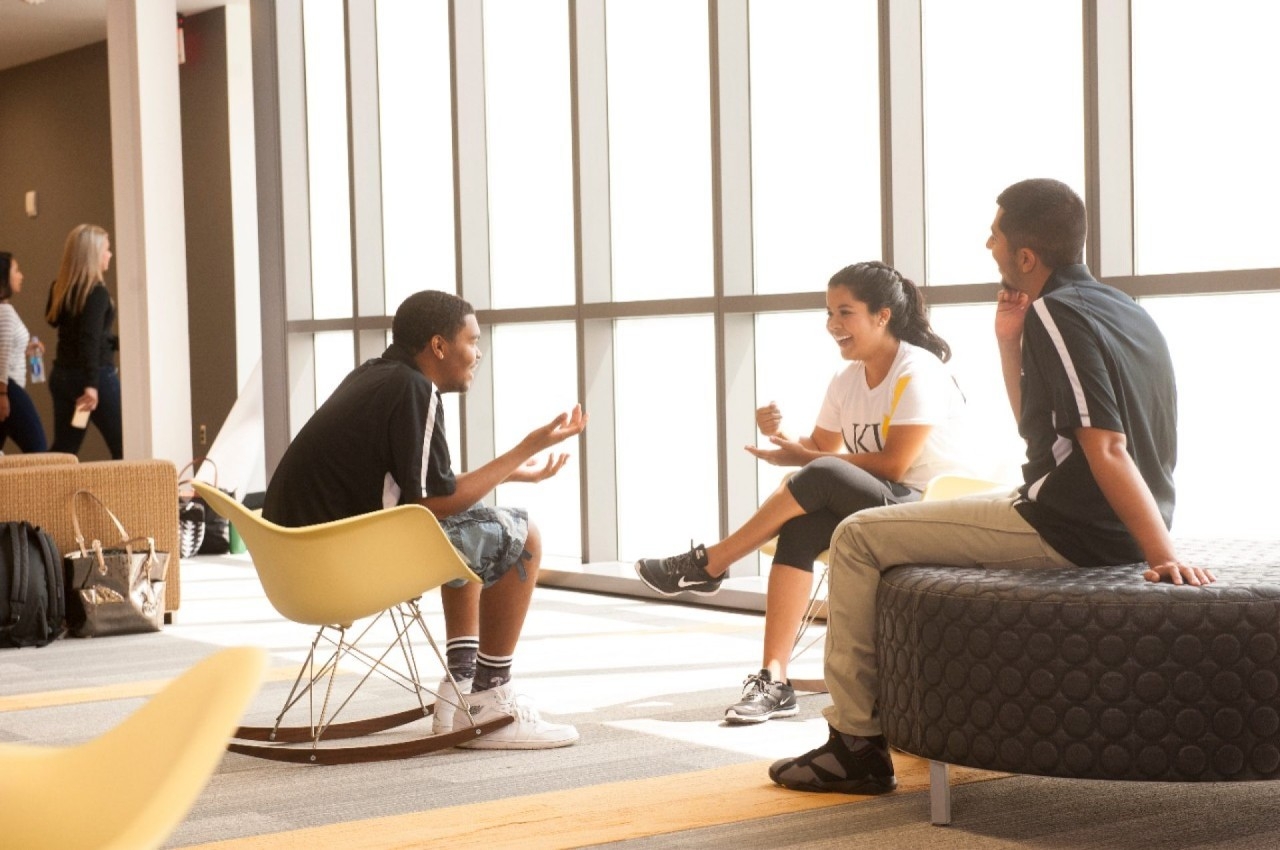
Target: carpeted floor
x: 646, y: 685
x: 1018, y: 812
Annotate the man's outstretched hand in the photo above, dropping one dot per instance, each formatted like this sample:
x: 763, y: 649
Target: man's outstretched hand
x: 556, y: 431
x: 532, y: 471
x: 561, y: 428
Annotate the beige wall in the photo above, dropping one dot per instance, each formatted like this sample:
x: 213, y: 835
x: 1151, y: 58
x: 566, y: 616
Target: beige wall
x: 55, y: 137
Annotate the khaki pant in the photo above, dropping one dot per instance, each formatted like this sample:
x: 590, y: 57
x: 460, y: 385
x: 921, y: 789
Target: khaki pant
x: 979, y: 531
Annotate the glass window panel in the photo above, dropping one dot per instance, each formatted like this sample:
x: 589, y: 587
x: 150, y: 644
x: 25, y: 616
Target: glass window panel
x: 1205, y: 170
x: 795, y: 361
x: 528, y: 392
x: 982, y: 69
x: 998, y: 451
x: 324, y: 43
x: 666, y: 431
x: 416, y: 109
x: 335, y: 358
x: 528, y: 122
x: 1227, y: 467
x: 815, y: 140
x: 659, y: 148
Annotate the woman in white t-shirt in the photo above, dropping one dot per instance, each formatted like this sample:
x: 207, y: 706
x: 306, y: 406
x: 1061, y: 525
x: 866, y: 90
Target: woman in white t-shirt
x: 891, y: 420
x: 19, y: 420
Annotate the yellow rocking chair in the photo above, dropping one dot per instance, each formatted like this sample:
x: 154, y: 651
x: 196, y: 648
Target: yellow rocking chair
x: 130, y: 787
x: 331, y: 575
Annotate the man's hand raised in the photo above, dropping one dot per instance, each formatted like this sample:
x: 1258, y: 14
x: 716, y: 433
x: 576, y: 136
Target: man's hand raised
x: 561, y: 428
x: 1011, y: 314
x: 532, y: 471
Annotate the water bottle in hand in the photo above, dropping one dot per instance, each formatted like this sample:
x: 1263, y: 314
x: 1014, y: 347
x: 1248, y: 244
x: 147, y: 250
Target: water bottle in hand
x: 36, y: 361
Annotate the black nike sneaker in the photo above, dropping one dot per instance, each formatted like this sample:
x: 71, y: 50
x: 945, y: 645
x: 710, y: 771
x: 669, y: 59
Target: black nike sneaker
x: 679, y: 573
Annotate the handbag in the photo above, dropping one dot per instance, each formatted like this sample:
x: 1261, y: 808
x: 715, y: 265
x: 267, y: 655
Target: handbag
x: 117, y: 590
x: 190, y: 523
x: 214, y: 538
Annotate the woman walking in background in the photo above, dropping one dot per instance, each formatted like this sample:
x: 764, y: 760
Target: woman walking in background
x: 18, y: 417
x: 84, y: 376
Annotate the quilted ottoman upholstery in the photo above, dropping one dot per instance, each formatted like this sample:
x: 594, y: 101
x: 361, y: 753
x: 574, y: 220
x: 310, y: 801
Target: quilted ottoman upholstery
x: 1088, y: 673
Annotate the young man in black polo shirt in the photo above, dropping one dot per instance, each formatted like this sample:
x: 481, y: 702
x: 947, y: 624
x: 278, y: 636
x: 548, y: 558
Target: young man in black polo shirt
x: 1091, y: 384
x: 379, y: 441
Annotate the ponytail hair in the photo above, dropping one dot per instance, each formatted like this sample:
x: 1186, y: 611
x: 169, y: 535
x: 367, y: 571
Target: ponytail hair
x: 879, y: 287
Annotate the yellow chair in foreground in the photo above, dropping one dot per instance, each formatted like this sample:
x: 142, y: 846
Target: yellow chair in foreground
x: 329, y: 576
x: 129, y: 788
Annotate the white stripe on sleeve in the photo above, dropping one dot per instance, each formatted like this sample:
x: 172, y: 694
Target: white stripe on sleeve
x: 1055, y: 335
x: 426, y: 440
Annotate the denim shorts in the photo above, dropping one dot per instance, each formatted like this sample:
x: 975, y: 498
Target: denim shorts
x: 490, y: 540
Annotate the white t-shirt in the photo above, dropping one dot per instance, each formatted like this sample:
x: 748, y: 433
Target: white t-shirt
x: 13, y: 342
x: 918, y: 390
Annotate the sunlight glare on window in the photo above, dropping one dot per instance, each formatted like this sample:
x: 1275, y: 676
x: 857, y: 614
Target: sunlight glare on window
x: 1225, y: 423
x: 334, y: 360
x: 416, y: 118
x: 659, y: 148
x: 1205, y: 128
x: 815, y: 140
x: 986, y: 62
x: 666, y: 432
x: 535, y: 378
x: 528, y: 126
x: 324, y: 42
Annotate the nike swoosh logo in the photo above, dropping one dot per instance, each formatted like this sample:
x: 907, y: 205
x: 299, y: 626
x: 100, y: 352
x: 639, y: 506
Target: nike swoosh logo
x: 683, y: 582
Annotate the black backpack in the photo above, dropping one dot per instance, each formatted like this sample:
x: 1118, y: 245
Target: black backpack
x: 32, y: 604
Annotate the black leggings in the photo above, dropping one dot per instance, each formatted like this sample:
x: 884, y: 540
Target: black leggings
x: 830, y: 489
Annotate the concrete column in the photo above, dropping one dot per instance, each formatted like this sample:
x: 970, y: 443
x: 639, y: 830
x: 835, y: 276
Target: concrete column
x: 149, y: 242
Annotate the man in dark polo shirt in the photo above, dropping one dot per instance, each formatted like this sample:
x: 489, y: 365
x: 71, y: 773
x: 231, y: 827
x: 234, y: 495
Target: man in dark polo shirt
x: 1091, y: 385
x: 379, y: 441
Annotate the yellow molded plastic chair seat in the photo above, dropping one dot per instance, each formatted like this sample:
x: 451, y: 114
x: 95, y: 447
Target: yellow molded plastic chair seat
x: 939, y: 487
x: 129, y: 788
x: 330, y: 575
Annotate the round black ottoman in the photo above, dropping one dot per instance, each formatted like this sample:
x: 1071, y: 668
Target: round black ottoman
x: 1088, y: 673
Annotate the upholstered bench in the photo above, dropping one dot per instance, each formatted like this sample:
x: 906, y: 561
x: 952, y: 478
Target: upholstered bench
x: 1086, y: 673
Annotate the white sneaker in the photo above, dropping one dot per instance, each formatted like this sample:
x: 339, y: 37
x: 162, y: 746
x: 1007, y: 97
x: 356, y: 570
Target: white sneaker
x: 447, y: 704
x: 527, y: 732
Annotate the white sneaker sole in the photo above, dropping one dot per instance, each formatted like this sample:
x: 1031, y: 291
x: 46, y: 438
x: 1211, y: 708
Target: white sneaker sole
x: 743, y: 719
x: 495, y: 741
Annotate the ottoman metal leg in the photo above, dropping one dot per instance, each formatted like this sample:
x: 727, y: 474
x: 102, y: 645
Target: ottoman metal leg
x: 939, y: 793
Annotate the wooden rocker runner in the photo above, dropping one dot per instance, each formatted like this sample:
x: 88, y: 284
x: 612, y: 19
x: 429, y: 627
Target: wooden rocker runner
x: 329, y: 576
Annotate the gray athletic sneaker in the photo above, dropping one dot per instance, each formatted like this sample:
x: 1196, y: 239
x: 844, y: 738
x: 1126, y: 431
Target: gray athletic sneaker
x: 679, y: 573
x: 762, y: 699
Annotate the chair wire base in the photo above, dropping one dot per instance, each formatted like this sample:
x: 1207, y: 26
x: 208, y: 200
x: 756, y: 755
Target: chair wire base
x: 322, y: 727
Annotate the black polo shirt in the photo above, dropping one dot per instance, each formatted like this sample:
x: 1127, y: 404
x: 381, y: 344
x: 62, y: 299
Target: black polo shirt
x: 365, y: 448
x: 1092, y: 357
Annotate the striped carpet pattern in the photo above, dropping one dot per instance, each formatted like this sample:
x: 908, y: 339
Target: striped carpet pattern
x: 646, y: 684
